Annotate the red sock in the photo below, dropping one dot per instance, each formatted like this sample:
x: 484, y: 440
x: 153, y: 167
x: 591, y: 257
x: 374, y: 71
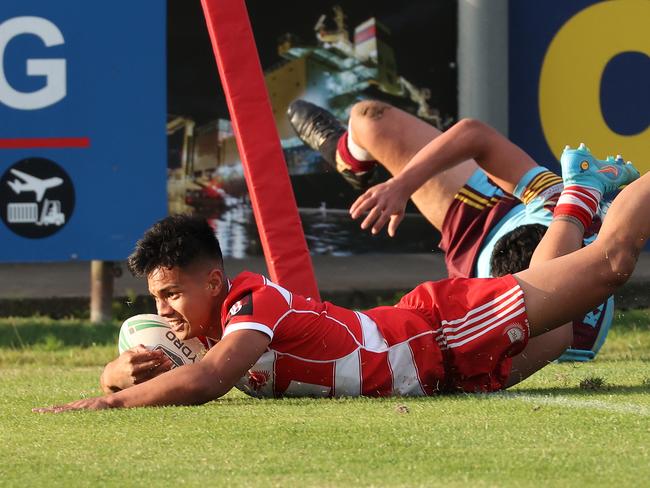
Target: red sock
x: 578, y: 202
x: 345, y: 160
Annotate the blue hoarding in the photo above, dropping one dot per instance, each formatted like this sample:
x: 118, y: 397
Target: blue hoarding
x: 580, y: 72
x: 82, y: 127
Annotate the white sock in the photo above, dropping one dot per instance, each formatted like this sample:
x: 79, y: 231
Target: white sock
x: 357, y: 152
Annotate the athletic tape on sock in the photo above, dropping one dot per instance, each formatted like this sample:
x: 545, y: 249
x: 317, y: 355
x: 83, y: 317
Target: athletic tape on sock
x: 579, y: 202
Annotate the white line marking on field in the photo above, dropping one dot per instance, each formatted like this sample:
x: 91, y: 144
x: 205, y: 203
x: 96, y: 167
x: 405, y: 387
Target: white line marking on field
x: 573, y: 403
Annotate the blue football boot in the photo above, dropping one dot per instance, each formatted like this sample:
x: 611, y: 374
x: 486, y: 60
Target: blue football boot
x: 580, y: 167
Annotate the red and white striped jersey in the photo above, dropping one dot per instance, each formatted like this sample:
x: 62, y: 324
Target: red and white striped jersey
x: 320, y: 349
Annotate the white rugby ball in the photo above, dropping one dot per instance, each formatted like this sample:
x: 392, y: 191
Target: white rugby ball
x: 153, y: 332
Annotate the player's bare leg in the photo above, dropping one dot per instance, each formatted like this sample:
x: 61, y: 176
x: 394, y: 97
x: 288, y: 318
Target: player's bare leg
x: 378, y: 134
x: 392, y: 137
x: 561, y: 238
x: 557, y: 290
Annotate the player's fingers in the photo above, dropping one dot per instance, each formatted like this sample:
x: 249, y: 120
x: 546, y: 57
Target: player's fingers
x: 145, y: 368
x: 380, y: 222
x: 362, y: 204
x: 163, y: 368
x: 355, y: 206
x: 374, y: 214
x: 395, y: 220
x: 361, y: 208
x: 144, y: 355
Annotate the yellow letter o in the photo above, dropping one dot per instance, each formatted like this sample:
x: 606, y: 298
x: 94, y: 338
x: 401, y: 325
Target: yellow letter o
x: 569, y: 86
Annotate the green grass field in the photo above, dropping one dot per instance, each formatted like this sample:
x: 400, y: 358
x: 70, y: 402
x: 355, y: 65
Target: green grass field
x: 569, y: 425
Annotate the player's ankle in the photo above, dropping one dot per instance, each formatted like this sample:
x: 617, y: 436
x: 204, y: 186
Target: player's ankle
x: 345, y: 157
x: 578, y: 202
x: 357, y: 151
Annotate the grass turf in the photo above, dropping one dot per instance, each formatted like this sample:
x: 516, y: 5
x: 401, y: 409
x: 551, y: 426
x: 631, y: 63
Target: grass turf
x: 548, y: 431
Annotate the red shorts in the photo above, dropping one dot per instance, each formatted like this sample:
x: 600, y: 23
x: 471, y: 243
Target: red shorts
x: 481, y: 323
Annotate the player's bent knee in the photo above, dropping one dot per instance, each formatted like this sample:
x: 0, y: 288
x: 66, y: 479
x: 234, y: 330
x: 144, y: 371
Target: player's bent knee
x: 622, y: 261
x: 624, y: 269
x: 368, y: 122
x: 370, y: 110
x: 367, y: 116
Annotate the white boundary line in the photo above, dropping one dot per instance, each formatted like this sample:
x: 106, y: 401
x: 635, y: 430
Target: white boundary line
x: 563, y: 401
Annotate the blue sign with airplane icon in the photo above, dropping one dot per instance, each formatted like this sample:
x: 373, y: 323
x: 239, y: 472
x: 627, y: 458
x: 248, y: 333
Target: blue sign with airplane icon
x: 82, y: 127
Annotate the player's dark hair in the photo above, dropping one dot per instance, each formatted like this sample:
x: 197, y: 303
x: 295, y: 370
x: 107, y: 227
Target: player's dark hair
x: 175, y: 241
x: 513, y: 250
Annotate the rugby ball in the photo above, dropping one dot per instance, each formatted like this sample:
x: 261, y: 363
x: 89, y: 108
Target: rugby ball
x: 153, y: 332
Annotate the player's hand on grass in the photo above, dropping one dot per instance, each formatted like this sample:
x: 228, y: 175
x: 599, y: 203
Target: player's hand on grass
x: 132, y: 367
x: 385, y: 203
x: 97, y: 403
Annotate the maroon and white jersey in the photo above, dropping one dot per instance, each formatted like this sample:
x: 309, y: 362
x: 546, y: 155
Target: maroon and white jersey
x: 320, y: 349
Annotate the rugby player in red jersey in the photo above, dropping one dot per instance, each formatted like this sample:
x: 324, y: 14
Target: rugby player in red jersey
x: 453, y: 335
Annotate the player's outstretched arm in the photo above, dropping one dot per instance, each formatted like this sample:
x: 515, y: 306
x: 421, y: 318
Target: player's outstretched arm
x: 504, y: 162
x: 192, y: 384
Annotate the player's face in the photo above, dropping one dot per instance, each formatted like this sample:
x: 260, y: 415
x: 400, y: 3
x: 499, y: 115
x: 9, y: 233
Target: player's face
x: 188, y: 299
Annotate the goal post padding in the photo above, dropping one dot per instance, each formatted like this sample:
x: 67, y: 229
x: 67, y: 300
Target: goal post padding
x: 274, y: 205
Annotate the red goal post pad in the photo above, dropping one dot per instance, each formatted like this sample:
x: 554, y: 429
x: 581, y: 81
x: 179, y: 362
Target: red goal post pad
x: 274, y: 205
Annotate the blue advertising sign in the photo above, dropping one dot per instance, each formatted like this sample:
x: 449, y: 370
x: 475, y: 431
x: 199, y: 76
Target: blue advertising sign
x: 580, y: 72
x: 82, y: 127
